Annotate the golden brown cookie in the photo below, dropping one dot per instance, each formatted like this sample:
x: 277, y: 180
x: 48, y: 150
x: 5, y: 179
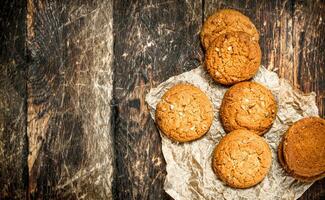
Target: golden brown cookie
x: 233, y: 57
x: 248, y: 105
x: 184, y: 113
x: 242, y: 159
x: 226, y: 20
x: 302, y: 151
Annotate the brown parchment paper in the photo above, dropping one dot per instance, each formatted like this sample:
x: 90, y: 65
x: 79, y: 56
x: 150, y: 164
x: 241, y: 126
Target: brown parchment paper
x: 189, y: 172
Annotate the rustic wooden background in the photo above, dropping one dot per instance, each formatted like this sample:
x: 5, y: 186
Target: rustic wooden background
x: 73, y: 77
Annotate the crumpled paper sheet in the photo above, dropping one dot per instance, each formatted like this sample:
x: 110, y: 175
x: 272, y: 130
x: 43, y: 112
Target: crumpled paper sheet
x: 189, y: 171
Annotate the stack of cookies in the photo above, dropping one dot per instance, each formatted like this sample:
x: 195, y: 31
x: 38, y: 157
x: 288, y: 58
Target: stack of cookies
x: 302, y: 150
x: 242, y: 158
x: 230, y: 40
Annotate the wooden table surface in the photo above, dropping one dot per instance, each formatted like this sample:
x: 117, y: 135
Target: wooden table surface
x: 74, y: 76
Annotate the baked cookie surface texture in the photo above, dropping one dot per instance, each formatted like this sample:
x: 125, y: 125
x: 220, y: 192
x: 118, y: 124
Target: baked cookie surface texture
x: 184, y: 113
x: 226, y: 20
x: 302, y: 150
x: 233, y: 57
x: 242, y: 159
x: 248, y: 105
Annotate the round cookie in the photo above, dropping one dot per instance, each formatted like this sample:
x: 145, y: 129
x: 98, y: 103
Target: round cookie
x: 242, y: 159
x: 303, y: 149
x: 248, y: 105
x: 233, y: 57
x: 226, y: 20
x: 184, y: 113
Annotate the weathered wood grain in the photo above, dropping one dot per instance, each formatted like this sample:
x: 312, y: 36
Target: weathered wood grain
x: 293, y: 45
x: 309, y: 48
x: 153, y: 41
x: 13, y: 143
x: 69, y: 92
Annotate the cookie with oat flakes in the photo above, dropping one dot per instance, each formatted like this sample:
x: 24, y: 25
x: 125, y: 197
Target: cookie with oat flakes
x: 242, y: 159
x: 233, y: 57
x: 184, y: 113
x: 250, y: 106
x: 226, y: 20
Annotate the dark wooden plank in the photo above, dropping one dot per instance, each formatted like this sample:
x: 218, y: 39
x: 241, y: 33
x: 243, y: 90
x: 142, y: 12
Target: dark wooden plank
x: 13, y: 143
x: 315, y: 192
x: 69, y: 91
x: 309, y: 48
x: 153, y: 41
x: 292, y: 43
